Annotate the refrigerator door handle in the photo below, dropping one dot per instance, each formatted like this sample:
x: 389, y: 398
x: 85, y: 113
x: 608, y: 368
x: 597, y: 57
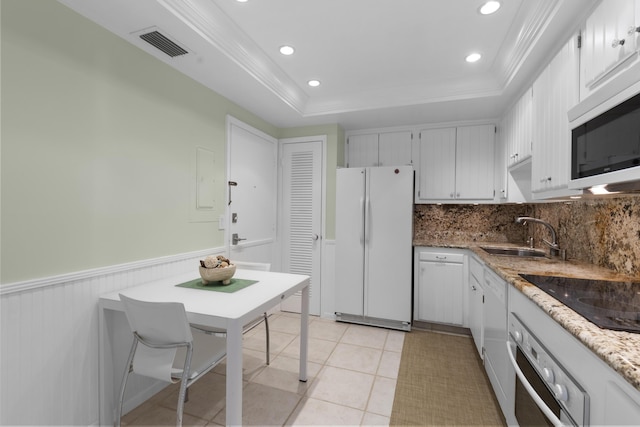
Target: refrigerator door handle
x: 362, y: 215
x: 367, y: 221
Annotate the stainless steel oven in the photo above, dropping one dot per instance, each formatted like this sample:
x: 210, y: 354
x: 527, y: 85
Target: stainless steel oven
x: 545, y: 393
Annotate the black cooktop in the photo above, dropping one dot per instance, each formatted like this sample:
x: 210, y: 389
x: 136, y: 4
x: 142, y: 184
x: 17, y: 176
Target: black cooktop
x: 608, y: 304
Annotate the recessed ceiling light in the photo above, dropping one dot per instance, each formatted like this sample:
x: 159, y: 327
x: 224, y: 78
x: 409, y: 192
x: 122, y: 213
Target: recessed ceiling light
x: 474, y: 57
x: 314, y: 83
x: 241, y: 1
x: 490, y: 7
x: 286, y: 50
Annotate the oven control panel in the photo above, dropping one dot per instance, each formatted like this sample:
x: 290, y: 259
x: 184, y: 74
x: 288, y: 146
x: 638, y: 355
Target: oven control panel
x: 561, y: 384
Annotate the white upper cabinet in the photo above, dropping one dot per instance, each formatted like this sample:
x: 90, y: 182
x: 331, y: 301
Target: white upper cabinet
x: 362, y: 150
x: 437, y: 164
x: 456, y: 164
x: 379, y: 149
x: 555, y: 91
x: 517, y: 128
x: 610, y: 42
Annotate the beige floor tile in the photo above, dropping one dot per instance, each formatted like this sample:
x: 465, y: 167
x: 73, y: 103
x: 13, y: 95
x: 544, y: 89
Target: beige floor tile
x: 389, y: 364
x: 161, y: 416
x: 264, y: 406
x: 395, y: 340
x: 206, y: 397
x: 279, y: 341
x: 155, y: 400
x: 284, y: 374
x: 327, y: 330
x: 252, y: 363
x: 370, y: 419
x: 342, y: 387
x: 320, y: 413
x: 286, y: 324
x: 317, y: 352
x: 351, y: 368
x: 355, y: 358
x: 381, y: 399
x: 366, y: 336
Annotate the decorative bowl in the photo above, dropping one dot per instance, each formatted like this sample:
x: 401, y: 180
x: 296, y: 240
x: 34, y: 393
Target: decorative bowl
x: 220, y: 274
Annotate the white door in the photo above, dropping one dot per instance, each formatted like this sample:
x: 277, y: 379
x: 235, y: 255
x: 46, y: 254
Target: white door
x: 301, y: 218
x: 251, y: 193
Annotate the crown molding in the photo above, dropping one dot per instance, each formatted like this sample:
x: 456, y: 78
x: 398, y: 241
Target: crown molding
x: 538, y: 15
x: 214, y: 26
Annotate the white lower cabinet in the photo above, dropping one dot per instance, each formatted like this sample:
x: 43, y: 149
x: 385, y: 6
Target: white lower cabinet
x: 496, y: 359
x: 439, y: 288
x: 476, y: 301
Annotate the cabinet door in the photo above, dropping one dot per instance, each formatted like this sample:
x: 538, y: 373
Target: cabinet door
x: 603, y: 47
x: 362, y: 150
x: 518, y: 128
x: 476, y: 299
x: 555, y: 91
x: 437, y: 164
x: 474, y: 162
x: 394, y: 148
x: 440, y: 296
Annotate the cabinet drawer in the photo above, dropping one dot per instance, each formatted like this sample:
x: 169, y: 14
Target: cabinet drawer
x: 442, y: 257
x: 495, y: 284
x: 477, y: 269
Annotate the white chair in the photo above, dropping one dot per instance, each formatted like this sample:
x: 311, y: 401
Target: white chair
x: 164, y: 348
x: 262, y: 266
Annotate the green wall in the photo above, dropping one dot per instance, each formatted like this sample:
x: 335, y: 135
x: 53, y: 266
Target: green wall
x: 98, y: 147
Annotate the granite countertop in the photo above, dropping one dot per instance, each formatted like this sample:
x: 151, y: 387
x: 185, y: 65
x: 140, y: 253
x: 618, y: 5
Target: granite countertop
x: 620, y: 350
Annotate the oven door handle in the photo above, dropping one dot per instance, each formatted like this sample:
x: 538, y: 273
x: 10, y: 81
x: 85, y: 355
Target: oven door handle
x: 543, y: 407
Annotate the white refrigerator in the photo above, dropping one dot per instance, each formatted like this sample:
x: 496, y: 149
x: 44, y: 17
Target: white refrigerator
x: 374, y: 232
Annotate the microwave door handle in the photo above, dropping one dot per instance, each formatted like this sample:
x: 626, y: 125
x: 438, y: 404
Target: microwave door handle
x: 543, y: 407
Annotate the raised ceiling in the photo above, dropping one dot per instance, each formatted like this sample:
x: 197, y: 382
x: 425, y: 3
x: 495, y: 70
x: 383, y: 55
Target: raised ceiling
x: 381, y: 63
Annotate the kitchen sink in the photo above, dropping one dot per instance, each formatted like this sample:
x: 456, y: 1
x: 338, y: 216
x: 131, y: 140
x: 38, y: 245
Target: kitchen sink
x: 518, y: 252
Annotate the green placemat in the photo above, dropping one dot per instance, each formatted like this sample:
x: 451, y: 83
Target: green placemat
x: 235, y: 285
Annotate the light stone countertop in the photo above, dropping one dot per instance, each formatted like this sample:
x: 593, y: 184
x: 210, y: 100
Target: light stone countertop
x: 620, y: 350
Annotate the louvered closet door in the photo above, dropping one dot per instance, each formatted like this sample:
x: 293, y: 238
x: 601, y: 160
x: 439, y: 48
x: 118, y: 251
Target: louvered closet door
x: 302, y: 217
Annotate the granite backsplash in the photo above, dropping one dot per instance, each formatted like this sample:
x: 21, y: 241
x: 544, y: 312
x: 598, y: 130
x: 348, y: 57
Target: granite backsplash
x: 604, y: 232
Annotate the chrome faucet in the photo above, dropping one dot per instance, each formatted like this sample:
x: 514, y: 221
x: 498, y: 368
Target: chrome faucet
x: 554, y: 249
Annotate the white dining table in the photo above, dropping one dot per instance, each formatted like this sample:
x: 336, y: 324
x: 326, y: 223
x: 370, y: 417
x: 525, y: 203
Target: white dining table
x: 230, y: 311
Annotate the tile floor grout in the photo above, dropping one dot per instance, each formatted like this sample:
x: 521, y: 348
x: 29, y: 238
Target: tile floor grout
x: 353, y: 366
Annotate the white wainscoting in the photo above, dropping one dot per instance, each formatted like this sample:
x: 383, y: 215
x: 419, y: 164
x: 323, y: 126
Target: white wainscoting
x: 49, y: 339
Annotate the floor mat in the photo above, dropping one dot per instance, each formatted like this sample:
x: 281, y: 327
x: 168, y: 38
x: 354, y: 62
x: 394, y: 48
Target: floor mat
x: 441, y: 382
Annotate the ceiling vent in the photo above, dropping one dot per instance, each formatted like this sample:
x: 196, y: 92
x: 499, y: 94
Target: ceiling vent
x: 162, y: 42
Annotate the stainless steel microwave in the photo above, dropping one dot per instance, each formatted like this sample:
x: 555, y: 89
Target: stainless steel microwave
x: 606, y: 148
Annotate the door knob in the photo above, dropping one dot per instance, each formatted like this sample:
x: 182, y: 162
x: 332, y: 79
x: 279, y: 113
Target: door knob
x: 235, y: 239
x: 314, y: 237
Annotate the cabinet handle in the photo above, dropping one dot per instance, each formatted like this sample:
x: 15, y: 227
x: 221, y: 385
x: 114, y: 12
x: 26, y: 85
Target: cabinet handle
x: 473, y: 287
x: 632, y: 30
x: 451, y: 195
x: 617, y: 42
x: 457, y: 195
x: 440, y: 257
